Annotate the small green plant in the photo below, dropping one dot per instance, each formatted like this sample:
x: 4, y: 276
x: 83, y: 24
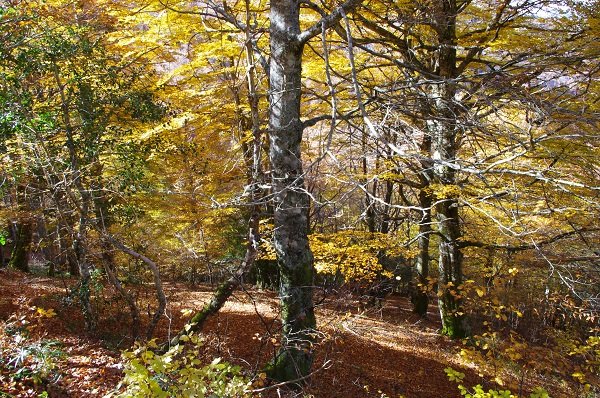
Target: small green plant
x: 179, y: 373
x: 96, y: 277
x: 33, y: 361
x: 25, y: 360
x: 479, y: 392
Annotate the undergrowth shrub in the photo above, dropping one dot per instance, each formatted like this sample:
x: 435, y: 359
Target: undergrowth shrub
x: 28, y: 361
x: 178, y: 373
x: 479, y: 392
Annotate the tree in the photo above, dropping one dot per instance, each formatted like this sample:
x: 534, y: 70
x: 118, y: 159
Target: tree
x: 291, y: 202
x: 450, y: 74
x: 62, y: 93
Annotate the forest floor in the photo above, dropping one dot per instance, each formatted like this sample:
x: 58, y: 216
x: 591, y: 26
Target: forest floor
x: 382, y: 351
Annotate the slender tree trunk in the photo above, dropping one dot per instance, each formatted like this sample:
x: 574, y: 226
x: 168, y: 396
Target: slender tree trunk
x: 65, y: 250
x: 84, y: 268
x: 129, y: 299
x: 103, y: 222
x: 160, y: 293
x: 290, y: 239
x: 420, y: 298
x: 46, y: 242
x: 253, y: 162
x: 364, y: 180
x: 79, y: 255
x: 226, y: 288
x: 386, y: 219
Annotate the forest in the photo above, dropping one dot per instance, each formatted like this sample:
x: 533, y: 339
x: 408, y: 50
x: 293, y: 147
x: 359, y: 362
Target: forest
x: 300, y: 198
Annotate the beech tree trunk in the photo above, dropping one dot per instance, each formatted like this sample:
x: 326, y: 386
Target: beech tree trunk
x: 444, y: 130
x: 291, y: 205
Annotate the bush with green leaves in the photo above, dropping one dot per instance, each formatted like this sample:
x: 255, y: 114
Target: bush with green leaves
x: 479, y: 392
x: 179, y: 373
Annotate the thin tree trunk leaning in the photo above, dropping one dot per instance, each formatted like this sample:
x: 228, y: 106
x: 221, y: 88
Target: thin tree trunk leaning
x: 133, y: 308
x: 225, y: 289
x: 160, y: 294
x: 111, y: 271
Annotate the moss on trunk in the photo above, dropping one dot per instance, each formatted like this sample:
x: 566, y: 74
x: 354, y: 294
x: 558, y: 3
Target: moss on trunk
x: 20, y: 254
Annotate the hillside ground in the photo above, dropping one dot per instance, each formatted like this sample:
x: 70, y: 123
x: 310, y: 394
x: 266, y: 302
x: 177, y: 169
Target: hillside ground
x: 377, y: 351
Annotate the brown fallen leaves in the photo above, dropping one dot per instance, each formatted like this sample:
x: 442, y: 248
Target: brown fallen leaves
x: 379, y: 352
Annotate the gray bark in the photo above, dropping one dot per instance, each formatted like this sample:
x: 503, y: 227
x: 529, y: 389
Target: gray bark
x: 420, y: 299
x: 291, y: 201
x: 444, y: 130
x: 291, y: 205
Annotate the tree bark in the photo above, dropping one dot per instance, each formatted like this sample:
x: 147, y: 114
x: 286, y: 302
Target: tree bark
x: 160, y: 293
x: 20, y: 254
x: 226, y: 288
x: 290, y: 239
x: 420, y: 298
x: 443, y: 127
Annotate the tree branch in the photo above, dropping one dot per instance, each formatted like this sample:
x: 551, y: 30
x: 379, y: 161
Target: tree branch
x: 529, y: 246
x: 328, y: 21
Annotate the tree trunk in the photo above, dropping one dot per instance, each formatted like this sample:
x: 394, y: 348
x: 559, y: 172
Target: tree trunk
x: 4, y: 252
x: 47, y: 245
x: 83, y: 266
x: 160, y: 293
x: 420, y: 299
x: 79, y: 255
x: 444, y: 130
x: 22, y: 244
x: 253, y: 162
x: 226, y: 288
x: 290, y: 239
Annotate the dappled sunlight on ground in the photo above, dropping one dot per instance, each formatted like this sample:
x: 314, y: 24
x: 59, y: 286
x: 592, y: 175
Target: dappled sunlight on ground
x: 381, y: 351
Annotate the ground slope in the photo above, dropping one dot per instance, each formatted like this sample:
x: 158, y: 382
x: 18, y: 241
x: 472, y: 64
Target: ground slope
x: 374, y: 352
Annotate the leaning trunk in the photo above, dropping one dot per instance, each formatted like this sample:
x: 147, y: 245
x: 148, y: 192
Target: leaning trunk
x: 226, y: 288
